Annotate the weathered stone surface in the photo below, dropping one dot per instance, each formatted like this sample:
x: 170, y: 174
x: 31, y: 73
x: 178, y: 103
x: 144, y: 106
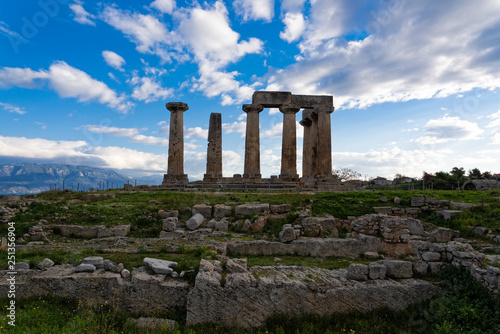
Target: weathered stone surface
x: 383, y: 210
x: 398, y: 269
x: 460, y: 205
x: 357, y: 271
x: 203, y: 209
x: 479, y: 230
x: 431, y: 256
x: 251, y: 209
x: 46, y: 263
x: 258, y: 224
x: 176, y: 141
x: 437, y: 267
x: 397, y: 200
x: 287, y: 234
x: 153, y: 324
x: 79, y: 231
x: 221, y: 210
x: 327, y: 224
x: 420, y: 268
x: 170, y: 224
x: 417, y: 201
x: 222, y: 225
x: 3, y: 243
x: 415, y: 227
x: 114, y: 231
x: 177, y: 234
x: 263, y: 291
x: 125, y: 273
x: 289, y: 143
x: 441, y: 234
x: 252, y: 141
x: 168, y: 213
x: 10, y: 199
x: 280, y: 208
x: 235, y: 266
x: 85, y: 268
x: 160, y: 266
x: 376, y: 271
x: 214, y: 148
x: 96, y: 261
x: 21, y: 266
x: 194, y: 222
x: 448, y: 214
x: 111, y: 266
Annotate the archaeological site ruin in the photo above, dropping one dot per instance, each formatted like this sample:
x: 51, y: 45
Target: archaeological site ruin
x: 317, y: 145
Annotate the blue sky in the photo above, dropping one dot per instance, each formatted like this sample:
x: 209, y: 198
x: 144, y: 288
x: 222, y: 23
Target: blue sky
x: 415, y: 83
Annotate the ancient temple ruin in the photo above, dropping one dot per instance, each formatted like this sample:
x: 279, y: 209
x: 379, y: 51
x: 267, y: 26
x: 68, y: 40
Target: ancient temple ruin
x: 317, y: 145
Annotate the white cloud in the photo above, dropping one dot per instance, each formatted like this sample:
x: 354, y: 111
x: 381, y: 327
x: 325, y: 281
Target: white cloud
x: 22, y: 77
x: 447, y: 129
x: 294, y: 27
x: 239, y: 127
x: 148, y: 90
x: 146, y: 31
x: 495, y: 120
x: 81, y: 15
x: 126, y: 158
x: 132, y: 134
x: 496, y: 139
x: 292, y: 5
x: 410, y: 53
x: 274, y: 132
x: 196, y: 132
x: 164, y: 6
x: 254, y: 9
x: 11, y: 108
x: 232, y: 163
x: 149, y: 140
x: 114, y: 60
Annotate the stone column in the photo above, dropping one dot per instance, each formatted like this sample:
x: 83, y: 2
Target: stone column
x: 252, y: 142
x: 175, y: 173
x: 214, y: 149
x: 314, y: 144
x: 307, y: 144
x: 289, y: 144
x: 324, y: 148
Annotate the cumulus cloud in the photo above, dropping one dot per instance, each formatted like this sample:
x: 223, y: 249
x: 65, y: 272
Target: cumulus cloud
x: 11, y: 108
x: 114, y: 60
x: 67, y: 81
x: 294, y: 27
x: 81, y: 15
x: 149, y: 90
x: 164, y: 6
x: 274, y: 132
x: 495, y: 120
x: 393, y: 52
x: 132, y: 134
x: 254, y: 9
x: 496, y: 139
x: 446, y: 129
x: 196, y: 132
x: 239, y: 127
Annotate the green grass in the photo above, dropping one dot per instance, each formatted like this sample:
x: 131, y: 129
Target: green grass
x: 304, y: 261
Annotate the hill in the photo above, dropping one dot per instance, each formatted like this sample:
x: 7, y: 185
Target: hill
x: 27, y: 178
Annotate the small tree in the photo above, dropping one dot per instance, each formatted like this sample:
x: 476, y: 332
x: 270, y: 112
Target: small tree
x: 474, y: 174
x: 346, y: 174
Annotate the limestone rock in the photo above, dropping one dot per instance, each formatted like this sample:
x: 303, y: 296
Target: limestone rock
x: 251, y: 209
x: 398, y: 269
x: 125, y: 273
x: 111, y: 266
x: 3, y: 243
x: 221, y: 210
x: 448, y: 214
x: 114, y: 231
x: 371, y: 255
x: 168, y: 213
x: 417, y: 201
x: 235, y: 266
x: 258, y: 224
x: 160, y: 266
x: 441, y: 234
x: 203, y: 209
x: 287, y: 234
x: 96, y: 261
x: 416, y: 227
x: 177, y: 234
x: 431, y: 256
x: 85, y: 268
x: 46, y: 263
x: 397, y: 200
x: 153, y: 324
x: 376, y: 271
x: 357, y: 271
x: 479, y: 230
x: 170, y: 224
x: 420, y: 268
x: 194, y: 222
x: 383, y: 199
x: 327, y: 224
x: 437, y: 267
x: 222, y: 225
x: 21, y: 266
x: 280, y: 208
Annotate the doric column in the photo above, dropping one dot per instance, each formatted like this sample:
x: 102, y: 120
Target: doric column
x: 214, y: 149
x: 252, y: 142
x: 289, y: 144
x: 175, y: 171
x: 324, y: 150
x: 314, y: 144
x: 306, y: 122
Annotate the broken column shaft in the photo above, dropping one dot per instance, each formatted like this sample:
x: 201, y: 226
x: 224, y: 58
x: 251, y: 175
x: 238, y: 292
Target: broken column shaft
x: 214, y: 149
x: 175, y: 171
x: 252, y: 142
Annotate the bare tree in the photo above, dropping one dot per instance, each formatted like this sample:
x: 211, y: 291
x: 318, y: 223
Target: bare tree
x: 346, y: 174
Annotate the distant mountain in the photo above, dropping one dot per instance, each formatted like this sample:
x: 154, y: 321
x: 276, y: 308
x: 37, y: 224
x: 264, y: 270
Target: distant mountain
x: 29, y: 178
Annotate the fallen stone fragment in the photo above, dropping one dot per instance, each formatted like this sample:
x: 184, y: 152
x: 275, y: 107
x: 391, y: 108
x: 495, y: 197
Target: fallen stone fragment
x: 125, y: 273
x: 287, y: 234
x: 357, y: 271
x: 194, y: 222
x: 21, y: 266
x: 160, y: 266
x: 85, y: 268
x: 111, y: 266
x: 46, y: 263
x: 97, y: 261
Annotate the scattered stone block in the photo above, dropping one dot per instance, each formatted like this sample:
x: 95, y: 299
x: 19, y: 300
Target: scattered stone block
x: 383, y: 199
x: 420, y: 268
x: 448, y: 214
x: 194, y: 222
x: 413, y: 211
x: 251, y: 209
x: 371, y: 255
x: 258, y: 224
x: 415, y: 227
x: 177, y: 234
x: 111, y: 266
x: 221, y: 210
x: 96, y: 261
x: 287, y: 234
x: 21, y: 266
x: 441, y: 234
x: 46, y: 263
x: 431, y: 256
x: 397, y: 200
x: 327, y: 224
x: 125, y: 273
x: 114, y: 231
x: 383, y: 210
x: 202, y: 209
x: 170, y: 224
x: 417, y: 201
x: 280, y: 208
x: 246, y: 225
x: 437, y: 267
x: 85, y: 268
x: 398, y: 269
x: 479, y: 230
x: 357, y: 271
x: 160, y: 266
x: 222, y: 225
x: 376, y: 271
x: 236, y: 266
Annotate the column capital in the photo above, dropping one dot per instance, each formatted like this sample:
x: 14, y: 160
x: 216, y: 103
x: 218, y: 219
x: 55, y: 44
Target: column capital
x: 289, y: 109
x: 177, y: 106
x: 323, y: 110
x: 306, y: 122
x: 252, y: 107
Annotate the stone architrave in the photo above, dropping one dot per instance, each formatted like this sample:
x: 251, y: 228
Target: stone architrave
x: 324, y: 143
x: 289, y: 144
x: 252, y: 142
x: 214, y: 149
x: 175, y: 173
x: 306, y: 122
